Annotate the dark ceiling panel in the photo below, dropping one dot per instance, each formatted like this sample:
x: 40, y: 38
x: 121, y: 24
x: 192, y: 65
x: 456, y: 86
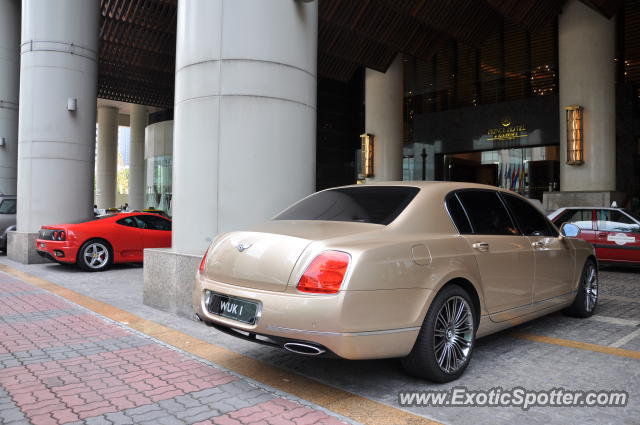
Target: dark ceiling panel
x: 468, y: 21
x: 335, y: 68
x: 137, y: 37
x: 137, y: 51
x: 353, y: 47
x: 531, y: 14
x: 606, y: 7
x: 377, y: 22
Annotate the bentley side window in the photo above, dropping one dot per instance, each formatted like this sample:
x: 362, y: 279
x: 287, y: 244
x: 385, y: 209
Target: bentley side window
x: 458, y: 215
x: 530, y: 220
x: 487, y: 213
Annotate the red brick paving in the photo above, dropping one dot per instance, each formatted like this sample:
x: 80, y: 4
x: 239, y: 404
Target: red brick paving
x: 114, y: 381
x: 61, y: 331
x: 275, y: 412
x: 107, y: 382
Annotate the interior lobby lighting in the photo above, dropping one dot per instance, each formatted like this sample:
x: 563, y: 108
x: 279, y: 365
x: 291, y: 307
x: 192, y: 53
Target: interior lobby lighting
x: 575, y: 135
x: 367, y: 154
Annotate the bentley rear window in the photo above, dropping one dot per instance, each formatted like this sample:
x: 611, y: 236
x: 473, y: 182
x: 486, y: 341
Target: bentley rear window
x: 362, y: 204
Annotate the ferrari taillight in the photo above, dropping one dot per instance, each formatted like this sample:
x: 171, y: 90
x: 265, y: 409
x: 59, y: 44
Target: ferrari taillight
x: 325, y: 274
x: 59, y: 235
x: 62, y: 236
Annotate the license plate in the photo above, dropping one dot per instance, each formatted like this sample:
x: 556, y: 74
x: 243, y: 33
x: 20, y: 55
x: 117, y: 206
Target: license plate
x: 233, y: 308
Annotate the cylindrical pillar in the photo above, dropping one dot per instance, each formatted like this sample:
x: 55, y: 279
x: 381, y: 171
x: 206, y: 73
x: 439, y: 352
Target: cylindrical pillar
x: 9, y: 84
x: 57, y: 124
x: 138, y: 123
x: 586, y: 43
x: 245, y: 114
x: 383, y: 119
x: 107, y: 157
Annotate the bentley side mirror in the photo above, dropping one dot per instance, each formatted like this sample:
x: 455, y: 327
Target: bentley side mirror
x: 570, y: 230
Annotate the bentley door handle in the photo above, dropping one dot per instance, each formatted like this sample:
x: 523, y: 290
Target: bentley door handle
x: 481, y: 246
x: 539, y: 244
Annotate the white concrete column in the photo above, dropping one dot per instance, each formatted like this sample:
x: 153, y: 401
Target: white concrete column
x: 383, y: 118
x: 587, y: 78
x: 9, y: 85
x: 56, y: 131
x: 245, y: 114
x: 107, y: 157
x: 138, y: 123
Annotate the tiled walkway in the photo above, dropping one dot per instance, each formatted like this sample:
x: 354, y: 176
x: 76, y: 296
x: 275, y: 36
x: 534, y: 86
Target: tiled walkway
x: 62, y: 364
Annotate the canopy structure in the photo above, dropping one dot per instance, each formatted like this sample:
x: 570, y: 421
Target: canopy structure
x: 137, y: 37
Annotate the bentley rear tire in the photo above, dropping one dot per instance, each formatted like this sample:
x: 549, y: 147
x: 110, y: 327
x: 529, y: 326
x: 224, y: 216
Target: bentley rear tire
x: 446, y: 339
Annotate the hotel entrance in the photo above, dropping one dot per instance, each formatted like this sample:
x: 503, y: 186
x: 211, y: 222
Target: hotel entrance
x: 530, y: 171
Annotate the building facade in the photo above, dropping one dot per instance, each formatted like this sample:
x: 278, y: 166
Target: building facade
x: 257, y: 103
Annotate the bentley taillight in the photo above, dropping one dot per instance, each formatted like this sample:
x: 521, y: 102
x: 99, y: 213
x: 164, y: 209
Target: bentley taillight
x: 203, y: 262
x: 325, y: 274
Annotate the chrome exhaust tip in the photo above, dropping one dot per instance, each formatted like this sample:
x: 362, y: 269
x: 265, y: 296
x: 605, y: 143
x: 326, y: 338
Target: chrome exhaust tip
x: 304, y: 349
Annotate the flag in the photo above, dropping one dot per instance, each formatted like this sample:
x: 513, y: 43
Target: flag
x: 505, y: 172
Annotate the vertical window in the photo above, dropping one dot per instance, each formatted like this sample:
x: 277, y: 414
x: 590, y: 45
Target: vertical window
x: 154, y: 223
x: 8, y: 206
x: 530, y: 220
x: 616, y: 221
x: 458, y: 215
x: 581, y: 218
x: 487, y: 213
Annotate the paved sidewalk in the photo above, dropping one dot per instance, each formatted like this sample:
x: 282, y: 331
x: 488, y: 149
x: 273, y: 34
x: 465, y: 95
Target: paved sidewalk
x: 62, y: 364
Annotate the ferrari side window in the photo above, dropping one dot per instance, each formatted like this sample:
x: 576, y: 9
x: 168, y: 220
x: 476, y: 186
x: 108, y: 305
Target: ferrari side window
x: 128, y: 221
x: 140, y: 223
x: 155, y: 223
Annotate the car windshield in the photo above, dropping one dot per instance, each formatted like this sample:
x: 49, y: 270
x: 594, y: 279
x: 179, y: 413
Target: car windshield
x: 8, y: 206
x: 635, y: 215
x: 363, y: 204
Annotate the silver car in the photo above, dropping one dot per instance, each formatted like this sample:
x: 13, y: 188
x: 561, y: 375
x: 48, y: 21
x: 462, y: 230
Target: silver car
x: 7, y: 218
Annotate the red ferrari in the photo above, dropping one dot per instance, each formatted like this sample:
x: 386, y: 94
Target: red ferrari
x: 96, y: 244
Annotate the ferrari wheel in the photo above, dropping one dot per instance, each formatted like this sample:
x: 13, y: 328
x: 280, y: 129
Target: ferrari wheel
x: 95, y: 256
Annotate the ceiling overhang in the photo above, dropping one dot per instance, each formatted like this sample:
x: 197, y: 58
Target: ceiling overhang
x: 138, y: 37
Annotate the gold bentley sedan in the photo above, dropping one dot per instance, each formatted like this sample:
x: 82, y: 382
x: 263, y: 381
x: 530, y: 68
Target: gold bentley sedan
x: 414, y: 270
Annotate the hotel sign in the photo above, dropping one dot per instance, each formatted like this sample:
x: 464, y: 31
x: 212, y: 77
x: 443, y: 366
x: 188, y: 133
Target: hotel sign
x: 507, y: 131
